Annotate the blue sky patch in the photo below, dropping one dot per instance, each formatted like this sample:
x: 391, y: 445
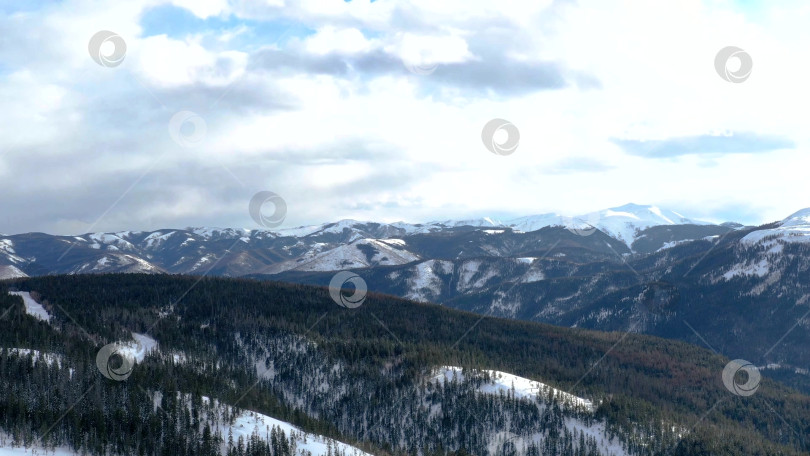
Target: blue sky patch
x: 178, y: 23
x: 737, y: 143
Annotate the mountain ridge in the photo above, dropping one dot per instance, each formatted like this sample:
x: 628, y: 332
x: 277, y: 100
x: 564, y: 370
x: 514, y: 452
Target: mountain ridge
x: 641, y: 228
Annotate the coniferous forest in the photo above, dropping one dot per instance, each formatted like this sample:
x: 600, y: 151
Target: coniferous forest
x: 365, y: 377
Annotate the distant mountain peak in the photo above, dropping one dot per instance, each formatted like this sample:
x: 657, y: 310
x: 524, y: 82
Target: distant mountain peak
x: 651, y: 212
x: 633, y: 206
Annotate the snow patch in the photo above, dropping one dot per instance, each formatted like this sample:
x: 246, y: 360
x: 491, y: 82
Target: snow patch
x: 532, y: 275
x: 759, y: 269
x: 36, y: 355
x: 11, y: 272
x: 139, y: 348
x: 503, y: 382
x: 249, y: 422
x: 387, y: 252
x: 424, y: 283
x: 32, y: 307
x: 31, y: 451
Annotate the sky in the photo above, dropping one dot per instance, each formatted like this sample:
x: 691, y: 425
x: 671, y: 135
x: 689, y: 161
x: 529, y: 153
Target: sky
x: 150, y: 114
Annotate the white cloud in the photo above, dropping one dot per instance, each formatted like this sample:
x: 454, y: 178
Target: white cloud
x: 421, y: 49
x: 169, y: 62
x: 331, y: 39
x: 339, y: 126
x: 203, y: 8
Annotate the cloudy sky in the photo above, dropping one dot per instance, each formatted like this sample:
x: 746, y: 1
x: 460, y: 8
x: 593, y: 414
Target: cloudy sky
x: 374, y: 110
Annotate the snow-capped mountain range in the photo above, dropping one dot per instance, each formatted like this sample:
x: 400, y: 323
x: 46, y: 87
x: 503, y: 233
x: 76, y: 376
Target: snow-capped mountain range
x: 330, y: 246
x: 348, y: 244
x: 623, y: 223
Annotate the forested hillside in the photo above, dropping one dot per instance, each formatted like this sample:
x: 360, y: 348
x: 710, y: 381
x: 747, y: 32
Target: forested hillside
x: 366, y: 377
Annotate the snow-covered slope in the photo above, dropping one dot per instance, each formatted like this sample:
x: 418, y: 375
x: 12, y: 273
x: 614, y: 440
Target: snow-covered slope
x: 31, y: 306
x: 622, y: 223
x: 11, y: 272
x: 245, y: 424
x: 356, y: 229
x: 799, y: 218
x: 425, y: 283
x: 625, y: 222
x: 119, y: 263
x: 358, y: 254
x: 7, y: 450
x: 795, y: 228
x: 7, y: 250
x: 535, y: 222
x: 139, y: 347
x: 485, y: 222
x: 504, y: 382
x: 213, y: 233
x: 248, y: 423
